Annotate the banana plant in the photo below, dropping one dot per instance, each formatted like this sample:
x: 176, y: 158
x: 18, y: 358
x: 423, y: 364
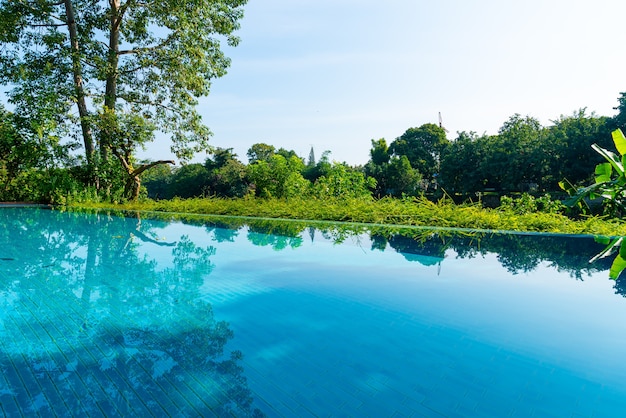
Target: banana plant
x: 610, y: 180
x: 613, y: 245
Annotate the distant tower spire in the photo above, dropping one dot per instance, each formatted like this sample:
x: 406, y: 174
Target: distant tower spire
x: 311, y: 157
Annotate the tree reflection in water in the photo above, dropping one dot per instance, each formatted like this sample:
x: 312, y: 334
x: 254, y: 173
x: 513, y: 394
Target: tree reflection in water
x: 90, y: 326
x: 517, y: 252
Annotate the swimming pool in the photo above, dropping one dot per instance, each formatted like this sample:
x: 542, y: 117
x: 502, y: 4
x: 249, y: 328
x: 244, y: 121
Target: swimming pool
x: 103, y: 315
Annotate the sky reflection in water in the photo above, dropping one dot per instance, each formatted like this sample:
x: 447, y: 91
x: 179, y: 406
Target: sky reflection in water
x: 105, y: 315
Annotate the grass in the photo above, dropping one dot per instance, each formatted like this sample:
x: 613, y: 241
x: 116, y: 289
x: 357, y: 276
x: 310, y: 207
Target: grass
x: 404, y: 212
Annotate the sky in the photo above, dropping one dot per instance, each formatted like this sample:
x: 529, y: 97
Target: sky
x: 335, y: 74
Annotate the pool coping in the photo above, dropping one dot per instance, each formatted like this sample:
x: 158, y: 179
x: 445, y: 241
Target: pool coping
x: 23, y: 205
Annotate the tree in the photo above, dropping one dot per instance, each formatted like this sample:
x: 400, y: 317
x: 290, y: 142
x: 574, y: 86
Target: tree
x: 221, y: 156
x: 380, y: 152
x: 158, y: 182
x: 28, y: 152
x: 514, y: 160
x: 227, y: 175
x: 288, y: 153
x: 314, y: 171
x: 342, y: 181
x: 278, y: 177
x: 393, y: 173
x: 423, y: 147
x: 17, y: 151
x: 130, y: 68
x: 609, y: 181
x: 461, y: 164
x: 403, y: 179
x: 311, y: 160
x: 190, y: 180
x: 376, y: 167
x: 260, y: 152
x: 619, y: 120
x: 568, y: 145
x: 522, y: 140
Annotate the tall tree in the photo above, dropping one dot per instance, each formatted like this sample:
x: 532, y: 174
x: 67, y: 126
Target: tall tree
x: 260, y: 152
x: 278, y: 177
x: 311, y: 161
x: 568, y: 144
x: 514, y: 159
x: 129, y: 68
x: 343, y: 181
x: 461, y: 164
x: 423, y: 147
x: 393, y: 173
x: 227, y: 175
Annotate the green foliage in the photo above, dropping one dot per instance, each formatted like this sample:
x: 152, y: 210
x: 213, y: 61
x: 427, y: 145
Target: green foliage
x: 619, y: 120
x: 312, y: 172
x: 380, y: 152
x: 228, y: 176
x: 190, y: 180
x: 260, y: 152
x: 143, y: 66
x: 157, y: 182
x: 394, y: 174
x: 402, y: 178
x: 414, y: 212
x: 527, y: 203
x: 25, y: 144
x: 462, y: 164
x: 278, y: 177
x: 341, y: 181
x: 423, y: 147
x: 610, y: 180
x: 514, y: 158
x: 524, y: 156
x: 613, y: 246
x: 568, y: 148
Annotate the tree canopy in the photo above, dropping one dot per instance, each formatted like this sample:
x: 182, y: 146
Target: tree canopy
x: 113, y: 73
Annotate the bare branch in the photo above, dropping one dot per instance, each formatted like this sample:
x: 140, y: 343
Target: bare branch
x: 131, y: 70
x: 49, y: 25
x: 145, y: 49
x: 125, y: 164
x: 145, y: 167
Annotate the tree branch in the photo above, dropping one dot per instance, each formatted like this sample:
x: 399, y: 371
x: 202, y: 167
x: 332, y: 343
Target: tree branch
x: 48, y: 25
x: 145, y: 167
x: 145, y: 49
x: 150, y: 103
x: 34, y: 9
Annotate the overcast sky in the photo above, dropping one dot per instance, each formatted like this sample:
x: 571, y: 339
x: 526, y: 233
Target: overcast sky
x: 335, y: 74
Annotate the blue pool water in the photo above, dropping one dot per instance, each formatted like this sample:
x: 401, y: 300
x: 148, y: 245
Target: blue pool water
x: 103, y: 315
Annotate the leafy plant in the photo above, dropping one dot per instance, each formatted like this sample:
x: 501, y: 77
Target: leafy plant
x: 610, y: 180
x: 527, y: 203
x: 416, y: 212
x: 613, y: 245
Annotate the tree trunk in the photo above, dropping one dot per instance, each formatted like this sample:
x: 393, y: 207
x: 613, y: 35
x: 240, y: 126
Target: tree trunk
x: 78, y: 84
x: 133, y: 181
x: 110, y: 94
